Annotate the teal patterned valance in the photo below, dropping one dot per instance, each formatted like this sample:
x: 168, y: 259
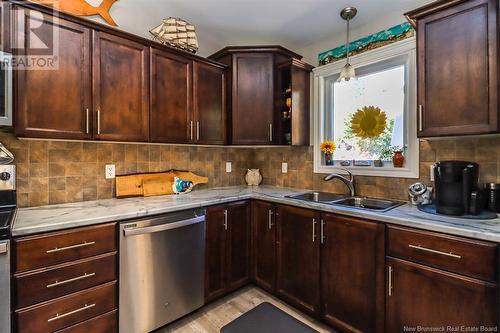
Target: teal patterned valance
x: 382, y: 38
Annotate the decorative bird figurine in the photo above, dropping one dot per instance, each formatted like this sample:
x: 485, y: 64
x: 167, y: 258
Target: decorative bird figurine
x: 82, y: 8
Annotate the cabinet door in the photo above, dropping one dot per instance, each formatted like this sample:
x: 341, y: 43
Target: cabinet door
x: 238, y: 245
x: 264, y: 245
x: 171, y: 94
x: 53, y: 102
x: 458, y: 70
x: 252, y: 98
x: 209, y: 104
x: 418, y: 295
x: 298, y: 257
x: 215, y: 251
x: 352, y: 274
x: 121, y: 93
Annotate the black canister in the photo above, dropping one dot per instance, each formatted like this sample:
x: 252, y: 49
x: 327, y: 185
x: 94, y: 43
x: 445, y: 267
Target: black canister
x: 492, y: 193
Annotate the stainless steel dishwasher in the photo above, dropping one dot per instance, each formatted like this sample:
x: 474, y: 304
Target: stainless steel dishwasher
x: 162, y: 265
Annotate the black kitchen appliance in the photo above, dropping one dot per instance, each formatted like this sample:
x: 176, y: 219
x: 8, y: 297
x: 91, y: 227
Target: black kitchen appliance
x: 456, y: 185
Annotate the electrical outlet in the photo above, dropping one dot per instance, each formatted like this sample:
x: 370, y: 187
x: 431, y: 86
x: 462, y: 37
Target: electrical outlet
x: 432, y: 172
x: 229, y: 167
x: 284, y: 167
x: 110, y: 171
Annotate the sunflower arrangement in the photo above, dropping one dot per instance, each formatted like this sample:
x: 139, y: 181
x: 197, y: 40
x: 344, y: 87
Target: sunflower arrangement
x: 369, y: 122
x: 328, y: 147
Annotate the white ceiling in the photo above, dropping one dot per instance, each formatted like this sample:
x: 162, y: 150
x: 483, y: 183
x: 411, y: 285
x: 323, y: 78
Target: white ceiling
x: 291, y: 23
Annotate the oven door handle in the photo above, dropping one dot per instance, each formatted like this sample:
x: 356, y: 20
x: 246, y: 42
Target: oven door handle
x: 162, y: 227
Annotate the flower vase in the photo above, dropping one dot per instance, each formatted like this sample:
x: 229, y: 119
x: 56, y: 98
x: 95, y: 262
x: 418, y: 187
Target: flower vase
x: 328, y: 159
x: 398, y: 159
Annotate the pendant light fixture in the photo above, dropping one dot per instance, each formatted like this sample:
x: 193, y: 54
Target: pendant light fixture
x: 348, y: 71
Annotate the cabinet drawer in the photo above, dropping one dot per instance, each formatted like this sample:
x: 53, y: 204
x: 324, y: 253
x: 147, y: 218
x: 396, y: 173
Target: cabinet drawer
x: 65, y: 279
x: 464, y: 256
x: 59, y: 247
x: 67, y: 311
x: 106, y: 323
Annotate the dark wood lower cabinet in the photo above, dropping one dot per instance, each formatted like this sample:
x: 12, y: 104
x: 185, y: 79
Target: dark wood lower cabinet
x: 352, y: 273
x: 298, y: 258
x: 227, y: 265
x: 264, y: 245
x: 422, y: 296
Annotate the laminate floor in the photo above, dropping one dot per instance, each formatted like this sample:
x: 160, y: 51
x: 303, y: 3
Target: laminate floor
x: 211, y: 318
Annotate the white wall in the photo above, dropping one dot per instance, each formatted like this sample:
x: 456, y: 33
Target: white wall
x: 311, y: 52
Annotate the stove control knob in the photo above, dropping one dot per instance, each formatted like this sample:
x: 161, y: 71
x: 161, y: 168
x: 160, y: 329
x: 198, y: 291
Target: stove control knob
x: 5, y: 176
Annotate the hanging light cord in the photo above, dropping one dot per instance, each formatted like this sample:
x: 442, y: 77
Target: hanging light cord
x: 347, y: 45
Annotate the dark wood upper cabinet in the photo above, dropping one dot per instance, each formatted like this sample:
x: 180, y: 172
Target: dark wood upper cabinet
x: 54, y: 102
x: 171, y: 98
x: 254, y: 116
x: 264, y: 245
x: 209, y: 104
x: 299, y: 258
x: 121, y: 88
x: 352, y: 274
x: 227, y: 248
x: 428, y: 297
x: 457, y: 67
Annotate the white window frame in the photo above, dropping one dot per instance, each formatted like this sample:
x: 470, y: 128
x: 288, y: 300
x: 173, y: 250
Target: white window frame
x: 405, y: 47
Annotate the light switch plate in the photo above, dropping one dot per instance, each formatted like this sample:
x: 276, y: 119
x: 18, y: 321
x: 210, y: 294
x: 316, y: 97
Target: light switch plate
x: 229, y: 167
x: 432, y: 172
x: 7, y: 177
x: 110, y: 171
x: 284, y: 167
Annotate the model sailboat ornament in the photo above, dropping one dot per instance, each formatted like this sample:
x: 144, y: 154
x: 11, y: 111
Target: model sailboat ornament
x: 176, y: 32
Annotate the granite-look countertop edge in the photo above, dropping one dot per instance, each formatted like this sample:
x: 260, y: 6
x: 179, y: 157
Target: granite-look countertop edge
x: 57, y: 217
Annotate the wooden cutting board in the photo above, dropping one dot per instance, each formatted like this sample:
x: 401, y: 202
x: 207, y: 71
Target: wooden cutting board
x: 151, y: 184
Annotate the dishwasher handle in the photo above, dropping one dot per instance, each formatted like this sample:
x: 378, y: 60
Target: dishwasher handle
x: 162, y: 227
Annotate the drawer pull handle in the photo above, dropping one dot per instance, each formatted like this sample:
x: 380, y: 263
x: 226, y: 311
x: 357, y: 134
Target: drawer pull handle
x: 60, y: 316
x: 448, y: 254
x: 389, y: 287
x: 59, y: 249
x: 58, y: 283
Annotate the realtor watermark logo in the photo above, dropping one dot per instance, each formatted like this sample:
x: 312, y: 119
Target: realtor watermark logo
x: 34, y: 38
x: 450, y: 328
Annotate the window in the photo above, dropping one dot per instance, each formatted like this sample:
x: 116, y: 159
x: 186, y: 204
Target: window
x: 370, y: 117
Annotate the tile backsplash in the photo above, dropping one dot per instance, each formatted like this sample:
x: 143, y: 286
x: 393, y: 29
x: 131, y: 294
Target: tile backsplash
x: 51, y: 172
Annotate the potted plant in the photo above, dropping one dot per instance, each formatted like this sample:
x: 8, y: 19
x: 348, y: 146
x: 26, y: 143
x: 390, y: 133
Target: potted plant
x: 328, y: 148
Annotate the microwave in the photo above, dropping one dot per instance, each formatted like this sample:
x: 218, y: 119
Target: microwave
x: 5, y: 89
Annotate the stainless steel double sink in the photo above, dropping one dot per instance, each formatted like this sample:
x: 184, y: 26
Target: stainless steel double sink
x: 372, y: 204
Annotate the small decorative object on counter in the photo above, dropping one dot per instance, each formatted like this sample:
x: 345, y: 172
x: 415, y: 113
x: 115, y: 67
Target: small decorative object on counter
x: 328, y: 148
x: 180, y: 186
x: 420, y: 194
x: 253, y: 177
x: 398, y: 159
x: 176, y: 32
x: 378, y: 163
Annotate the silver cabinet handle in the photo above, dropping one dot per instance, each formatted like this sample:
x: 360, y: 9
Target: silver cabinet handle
x: 162, y: 227
x: 225, y: 219
x: 314, y: 230
x: 323, y: 231
x: 270, y: 219
x: 420, y: 118
x: 60, y: 316
x: 87, y: 128
x: 78, y: 278
x: 191, y: 130
x: 76, y: 246
x: 197, y: 131
x: 448, y: 254
x: 98, y: 121
x: 389, y: 281
x: 270, y: 132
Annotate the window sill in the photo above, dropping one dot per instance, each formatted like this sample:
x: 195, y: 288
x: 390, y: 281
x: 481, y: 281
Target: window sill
x: 370, y: 171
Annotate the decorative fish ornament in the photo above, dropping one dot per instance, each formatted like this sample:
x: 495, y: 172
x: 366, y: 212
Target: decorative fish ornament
x: 82, y: 8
